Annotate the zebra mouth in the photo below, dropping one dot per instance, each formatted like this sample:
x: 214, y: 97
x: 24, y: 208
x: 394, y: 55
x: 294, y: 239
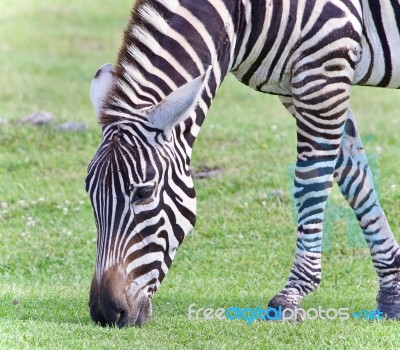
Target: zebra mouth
x: 134, y: 313
x: 140, y: 312
x: 110, y: 306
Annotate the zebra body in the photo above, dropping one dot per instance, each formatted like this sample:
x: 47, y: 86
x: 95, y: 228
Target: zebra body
x: 151, y: 106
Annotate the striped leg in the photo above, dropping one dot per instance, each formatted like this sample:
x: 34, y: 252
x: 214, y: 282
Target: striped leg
x: 355, y: 181
x: 319, y: 130
x: 305, y: 274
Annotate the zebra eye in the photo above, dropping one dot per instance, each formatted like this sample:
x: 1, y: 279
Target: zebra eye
x: 141, y: 195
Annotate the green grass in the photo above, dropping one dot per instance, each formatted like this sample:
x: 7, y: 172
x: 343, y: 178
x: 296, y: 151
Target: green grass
x: 242, y: 248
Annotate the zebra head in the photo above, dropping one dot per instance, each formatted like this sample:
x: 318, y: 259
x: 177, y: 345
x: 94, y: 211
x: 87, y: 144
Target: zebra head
x: 143, y: 200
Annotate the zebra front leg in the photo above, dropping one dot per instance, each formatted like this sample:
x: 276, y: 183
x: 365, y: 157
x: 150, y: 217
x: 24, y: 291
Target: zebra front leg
x: 318, y: 143
x: 355, y: 181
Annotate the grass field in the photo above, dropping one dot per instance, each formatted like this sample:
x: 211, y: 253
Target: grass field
x: 242, y: 248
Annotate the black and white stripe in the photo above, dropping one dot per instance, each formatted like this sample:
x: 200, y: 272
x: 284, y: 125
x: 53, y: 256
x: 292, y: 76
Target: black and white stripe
x: 309, y: 52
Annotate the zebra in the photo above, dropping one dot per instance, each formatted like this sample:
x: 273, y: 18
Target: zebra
x: 152, y: 104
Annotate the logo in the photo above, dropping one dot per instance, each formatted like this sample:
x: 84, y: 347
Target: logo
x: 249, y: 314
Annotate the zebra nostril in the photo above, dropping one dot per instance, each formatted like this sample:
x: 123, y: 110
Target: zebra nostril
x: 97, y: 316
x: 111, y: 298
x: 123, y: 319
x: 115, y: 315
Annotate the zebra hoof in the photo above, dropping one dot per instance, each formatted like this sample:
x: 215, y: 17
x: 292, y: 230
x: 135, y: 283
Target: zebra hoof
x: 388, y: 301
x: 280, y: 309
x: 389, y: 311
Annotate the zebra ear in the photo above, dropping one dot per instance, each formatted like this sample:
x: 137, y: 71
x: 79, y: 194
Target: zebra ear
x: 177, y: 105
x: 101, y: 84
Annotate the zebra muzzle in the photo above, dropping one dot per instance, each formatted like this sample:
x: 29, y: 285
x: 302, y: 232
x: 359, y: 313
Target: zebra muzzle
x: 111, y: 304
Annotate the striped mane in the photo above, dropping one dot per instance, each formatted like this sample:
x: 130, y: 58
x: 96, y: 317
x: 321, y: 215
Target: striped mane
x: 146, y: 71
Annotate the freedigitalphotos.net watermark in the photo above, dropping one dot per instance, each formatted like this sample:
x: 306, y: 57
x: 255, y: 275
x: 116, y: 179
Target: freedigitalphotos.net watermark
x: 250, y: 315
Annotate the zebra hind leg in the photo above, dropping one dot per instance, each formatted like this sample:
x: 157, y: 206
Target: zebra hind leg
x: 356, y: 185
x: 355, y: 181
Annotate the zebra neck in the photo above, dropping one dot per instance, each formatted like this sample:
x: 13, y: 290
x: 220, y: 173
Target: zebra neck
x: 168, y: 43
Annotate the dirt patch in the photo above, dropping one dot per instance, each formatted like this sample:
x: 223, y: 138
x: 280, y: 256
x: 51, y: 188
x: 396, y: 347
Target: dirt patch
x: 206, y: 173
x: 38, y: 119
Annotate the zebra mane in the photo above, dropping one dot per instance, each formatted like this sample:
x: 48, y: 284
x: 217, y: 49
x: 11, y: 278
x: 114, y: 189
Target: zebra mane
x: 137, y: 85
